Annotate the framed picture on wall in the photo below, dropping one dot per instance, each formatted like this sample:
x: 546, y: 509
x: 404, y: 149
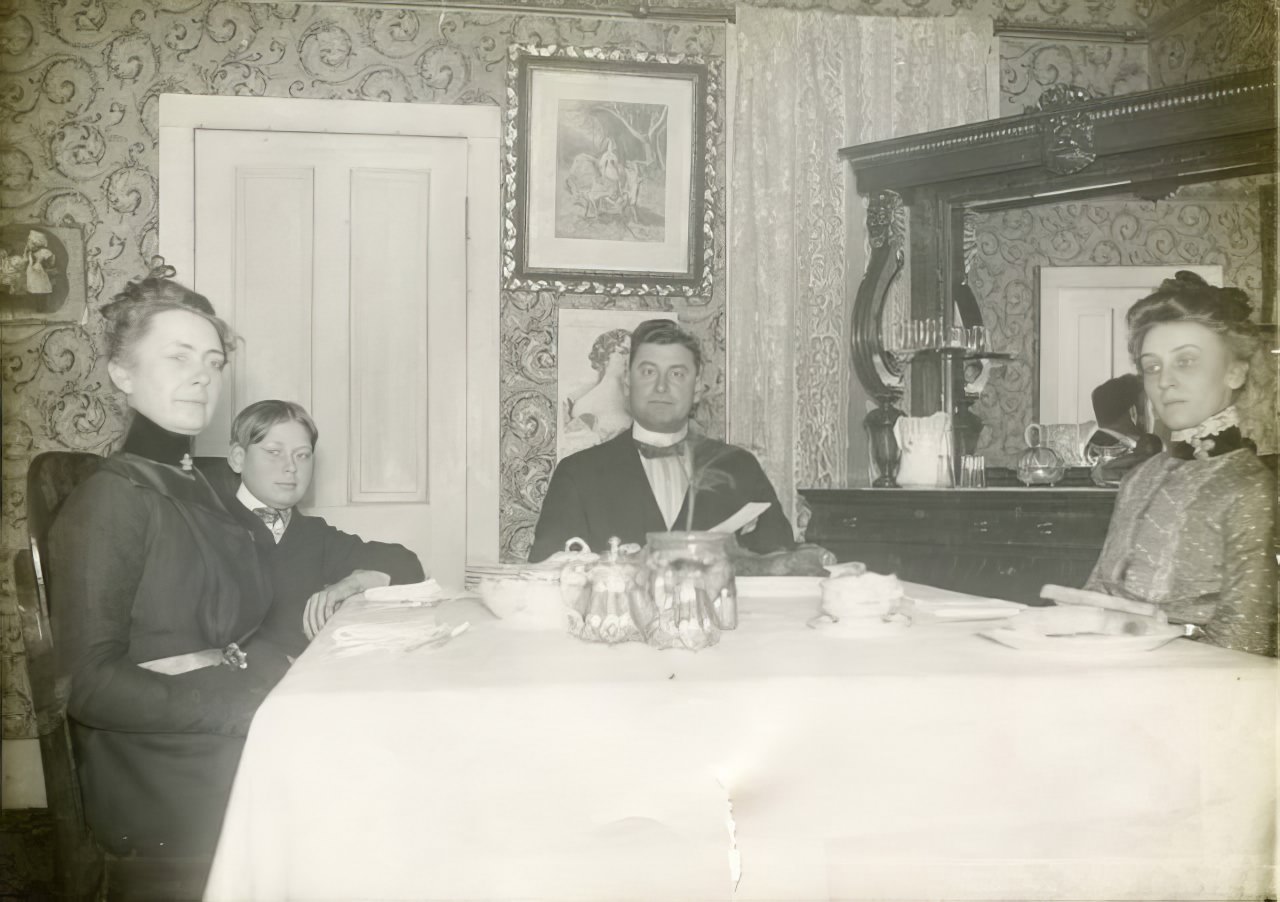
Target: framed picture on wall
x: 42, y: 274
x: 609, y: 172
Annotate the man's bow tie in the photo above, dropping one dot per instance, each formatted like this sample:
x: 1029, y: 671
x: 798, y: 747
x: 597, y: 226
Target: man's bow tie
x: 651, y: 451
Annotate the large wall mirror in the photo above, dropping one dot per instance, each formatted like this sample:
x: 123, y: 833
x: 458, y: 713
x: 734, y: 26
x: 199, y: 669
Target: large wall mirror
x: 973, y: 217
x: 1053, y: 281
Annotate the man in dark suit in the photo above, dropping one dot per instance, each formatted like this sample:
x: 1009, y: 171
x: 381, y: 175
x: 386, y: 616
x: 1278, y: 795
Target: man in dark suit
x: 640, y: 481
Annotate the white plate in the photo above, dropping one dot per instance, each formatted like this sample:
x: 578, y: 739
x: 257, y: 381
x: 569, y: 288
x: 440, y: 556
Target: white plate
x: 779, y: 586
x: 1088, y: 645
x: 1083, y: 632
x: 859, y: 627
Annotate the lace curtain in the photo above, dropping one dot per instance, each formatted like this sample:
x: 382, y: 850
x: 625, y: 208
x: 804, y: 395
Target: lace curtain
x: 809, y: 83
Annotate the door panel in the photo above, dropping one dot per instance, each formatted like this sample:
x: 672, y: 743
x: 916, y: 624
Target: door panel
x: 273, y: 286
x: 389, y: 356
x: 340, y: 259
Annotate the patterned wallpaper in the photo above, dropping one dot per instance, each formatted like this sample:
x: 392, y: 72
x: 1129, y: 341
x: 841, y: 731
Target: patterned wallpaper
x: 1126, y: 14
x: 1113, y: 14
x: 79, y: 84
x: 1201, y: 225
x: 1029, y: 66
x: 1205, y: 39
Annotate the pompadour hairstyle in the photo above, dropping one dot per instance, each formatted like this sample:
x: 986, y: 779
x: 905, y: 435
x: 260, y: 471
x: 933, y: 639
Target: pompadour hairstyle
x: 1188, y: 298
x: 665, y: 332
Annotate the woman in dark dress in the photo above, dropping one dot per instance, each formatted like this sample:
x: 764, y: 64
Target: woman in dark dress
x: 153, y: 583
x: 1194, y: 526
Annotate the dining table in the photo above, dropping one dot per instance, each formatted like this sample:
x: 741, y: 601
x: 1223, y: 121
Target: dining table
x: 783, y: 762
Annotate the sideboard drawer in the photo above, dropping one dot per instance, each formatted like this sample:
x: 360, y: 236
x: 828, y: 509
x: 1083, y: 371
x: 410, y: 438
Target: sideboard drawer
x: 1004, y: 543
x: 898, y: 525
x: 1074, y: 529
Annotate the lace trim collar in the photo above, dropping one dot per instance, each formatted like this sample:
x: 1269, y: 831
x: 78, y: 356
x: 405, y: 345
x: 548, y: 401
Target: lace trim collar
x: 1220, y: 422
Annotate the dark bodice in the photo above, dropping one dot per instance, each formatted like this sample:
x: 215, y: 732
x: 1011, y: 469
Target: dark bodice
x: 148, y: 564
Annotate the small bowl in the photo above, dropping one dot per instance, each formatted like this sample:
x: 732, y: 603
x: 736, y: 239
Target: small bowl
x: 875, y: 607
x: 525, y: 604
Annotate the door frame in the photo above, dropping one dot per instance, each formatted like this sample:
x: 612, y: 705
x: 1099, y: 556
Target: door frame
x: 182, y: 114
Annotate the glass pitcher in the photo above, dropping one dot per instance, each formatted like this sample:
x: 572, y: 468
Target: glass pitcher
x: 1039, y: 464
x: 687, y: 594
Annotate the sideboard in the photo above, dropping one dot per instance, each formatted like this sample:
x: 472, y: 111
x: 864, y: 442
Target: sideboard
x: 994, y: 542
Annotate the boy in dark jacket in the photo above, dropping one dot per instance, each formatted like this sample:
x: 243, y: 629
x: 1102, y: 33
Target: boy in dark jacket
x: 313, y: 566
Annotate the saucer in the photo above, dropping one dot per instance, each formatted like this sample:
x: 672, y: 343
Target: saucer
x: 859, y: 627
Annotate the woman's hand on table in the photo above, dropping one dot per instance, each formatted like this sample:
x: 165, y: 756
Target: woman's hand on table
x: 325, y: 603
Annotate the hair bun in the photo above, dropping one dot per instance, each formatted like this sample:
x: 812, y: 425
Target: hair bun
x: 160, y: 270
x: 136, y: 289
x: 1227, y: 304
x: 1236, y: 306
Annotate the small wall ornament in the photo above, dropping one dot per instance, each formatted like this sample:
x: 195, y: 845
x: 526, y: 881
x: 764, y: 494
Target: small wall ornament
x: 42, y: 274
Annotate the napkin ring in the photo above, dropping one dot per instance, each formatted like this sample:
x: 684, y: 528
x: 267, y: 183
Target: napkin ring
x: 234, y: 656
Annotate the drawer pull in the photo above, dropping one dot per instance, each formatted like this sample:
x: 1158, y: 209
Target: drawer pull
x: 981, y: 525
x: 850, y: 522
x: 1045, y: 529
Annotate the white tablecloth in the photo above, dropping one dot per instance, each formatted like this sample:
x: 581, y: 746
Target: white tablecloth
x: 930, y: 764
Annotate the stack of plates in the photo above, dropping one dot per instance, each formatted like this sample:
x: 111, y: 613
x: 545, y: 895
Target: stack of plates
x: 544, y: 571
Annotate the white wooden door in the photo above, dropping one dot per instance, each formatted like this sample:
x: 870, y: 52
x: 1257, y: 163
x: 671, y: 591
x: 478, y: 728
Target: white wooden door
x: 1083, y: 334
x: 340, y: 259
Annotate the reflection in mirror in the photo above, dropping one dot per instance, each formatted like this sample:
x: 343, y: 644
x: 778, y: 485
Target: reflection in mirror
x: 1228, y: 224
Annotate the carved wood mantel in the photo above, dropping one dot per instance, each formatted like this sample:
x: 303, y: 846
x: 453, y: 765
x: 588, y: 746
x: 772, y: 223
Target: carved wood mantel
x: 927, y: 188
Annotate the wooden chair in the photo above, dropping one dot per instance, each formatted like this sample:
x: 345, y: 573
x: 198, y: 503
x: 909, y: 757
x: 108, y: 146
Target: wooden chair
x: 82, y: 869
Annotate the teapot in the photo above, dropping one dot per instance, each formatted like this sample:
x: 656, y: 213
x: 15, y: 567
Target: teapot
x: 1039, y: 464
x: 596, y: 591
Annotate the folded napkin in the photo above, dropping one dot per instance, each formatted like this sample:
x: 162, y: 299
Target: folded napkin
x: 848, y: 568
x: 428, y: 592
x: 971, y: 612
x: 361, y: 638
x: 967, y: 609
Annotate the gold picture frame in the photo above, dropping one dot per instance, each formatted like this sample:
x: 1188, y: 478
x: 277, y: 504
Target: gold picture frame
x: 609, y: 171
